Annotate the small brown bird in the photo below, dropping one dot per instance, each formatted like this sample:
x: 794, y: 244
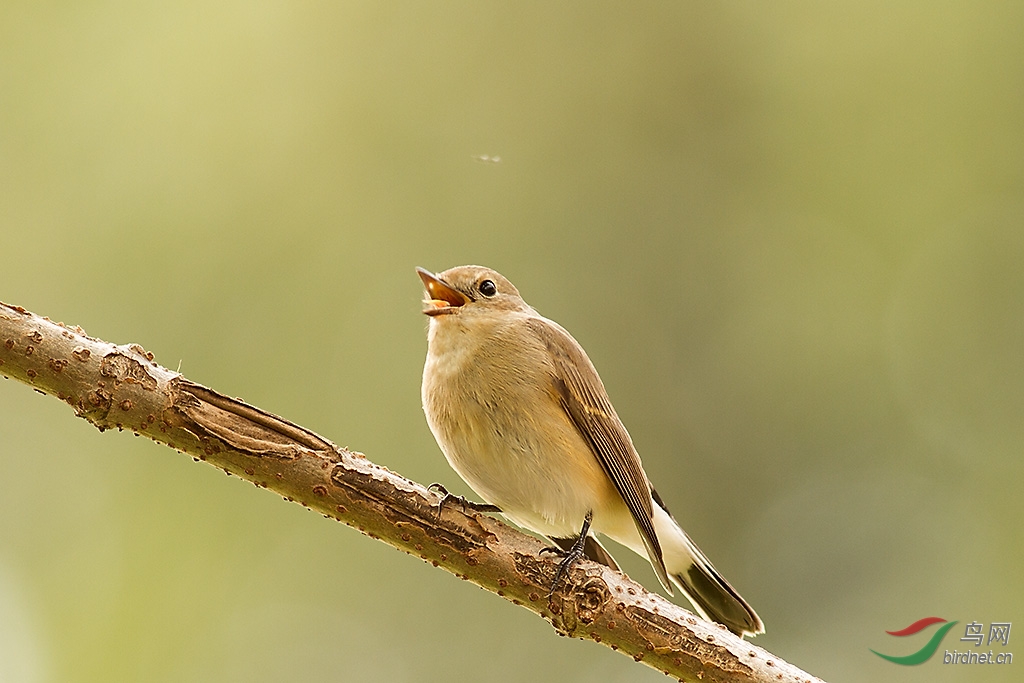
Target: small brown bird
x: 522, y: 415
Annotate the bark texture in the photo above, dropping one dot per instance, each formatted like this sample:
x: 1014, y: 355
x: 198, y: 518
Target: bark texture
x: 122, y: 387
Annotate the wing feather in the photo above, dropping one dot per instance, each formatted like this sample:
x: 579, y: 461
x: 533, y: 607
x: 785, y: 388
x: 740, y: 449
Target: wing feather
x: 585, y: 401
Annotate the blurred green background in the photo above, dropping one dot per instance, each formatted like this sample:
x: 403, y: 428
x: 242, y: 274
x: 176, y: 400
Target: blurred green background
x: 788, y: 234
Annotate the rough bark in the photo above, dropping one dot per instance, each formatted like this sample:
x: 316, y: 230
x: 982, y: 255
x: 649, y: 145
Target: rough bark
x: 122, y: 387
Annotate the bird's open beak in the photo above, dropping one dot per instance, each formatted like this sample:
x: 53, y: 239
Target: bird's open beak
x: 442, y: 298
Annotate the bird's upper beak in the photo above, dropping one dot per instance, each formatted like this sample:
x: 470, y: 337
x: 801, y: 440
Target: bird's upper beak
x: 443, y: 298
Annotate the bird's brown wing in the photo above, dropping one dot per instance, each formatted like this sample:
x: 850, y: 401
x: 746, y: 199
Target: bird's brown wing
x: 585, y: 401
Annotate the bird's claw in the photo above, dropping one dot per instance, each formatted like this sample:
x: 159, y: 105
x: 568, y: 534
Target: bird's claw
x: 570, y: 556
x: 467, y: 505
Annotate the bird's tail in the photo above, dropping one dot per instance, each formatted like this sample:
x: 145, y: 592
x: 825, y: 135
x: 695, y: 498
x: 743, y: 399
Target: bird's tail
x: 688, y: 568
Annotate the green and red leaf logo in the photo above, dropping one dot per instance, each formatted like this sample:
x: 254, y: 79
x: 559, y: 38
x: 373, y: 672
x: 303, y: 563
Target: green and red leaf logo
x: 925, y: 653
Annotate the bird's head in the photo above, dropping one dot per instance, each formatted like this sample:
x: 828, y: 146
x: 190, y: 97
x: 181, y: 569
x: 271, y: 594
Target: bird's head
x: 469, y: 291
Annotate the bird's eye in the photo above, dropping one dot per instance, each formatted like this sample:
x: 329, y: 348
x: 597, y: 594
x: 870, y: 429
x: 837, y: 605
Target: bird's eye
x: 488, y: 288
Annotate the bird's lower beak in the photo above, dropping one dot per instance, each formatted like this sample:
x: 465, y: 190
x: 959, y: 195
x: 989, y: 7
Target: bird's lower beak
x: 442, y: 298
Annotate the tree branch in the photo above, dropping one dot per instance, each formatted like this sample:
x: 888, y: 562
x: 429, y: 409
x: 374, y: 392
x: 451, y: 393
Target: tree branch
x: 121, y: 386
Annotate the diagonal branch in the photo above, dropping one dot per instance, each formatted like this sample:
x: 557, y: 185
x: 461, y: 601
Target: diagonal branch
x: 121, y: 386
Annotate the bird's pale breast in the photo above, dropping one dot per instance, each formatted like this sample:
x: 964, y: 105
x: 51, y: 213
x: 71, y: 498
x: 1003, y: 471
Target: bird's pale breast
x: 492, y: 407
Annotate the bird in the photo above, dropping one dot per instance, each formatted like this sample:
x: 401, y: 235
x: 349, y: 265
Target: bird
x: 521, y: 414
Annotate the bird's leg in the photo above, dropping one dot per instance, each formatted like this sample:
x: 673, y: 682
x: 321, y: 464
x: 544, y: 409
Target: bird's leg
x: 466, y: 504
x: 575, y: 552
